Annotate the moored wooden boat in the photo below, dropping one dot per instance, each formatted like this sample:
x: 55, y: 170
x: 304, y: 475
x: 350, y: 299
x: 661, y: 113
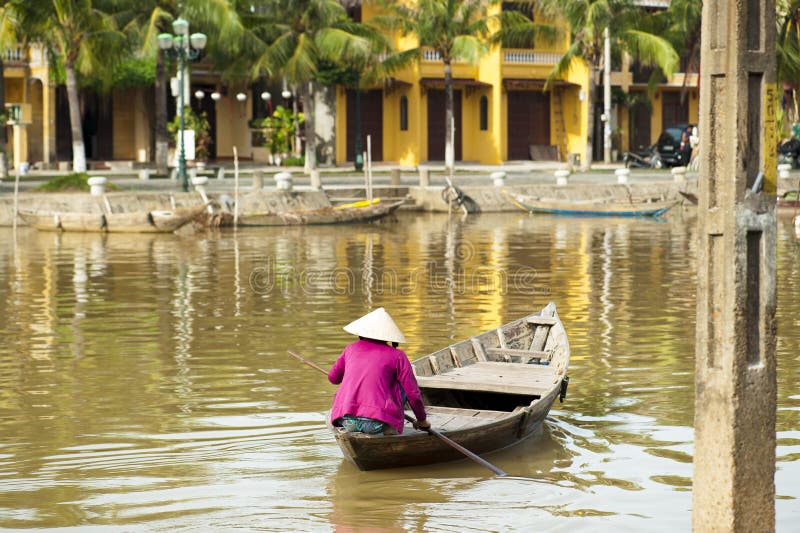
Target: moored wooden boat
x: 55, y: 221
x: 348, y: 214
x: 485, y: 393
x: 135, y: 222
x: 789, y: 201
x: 590, y: 207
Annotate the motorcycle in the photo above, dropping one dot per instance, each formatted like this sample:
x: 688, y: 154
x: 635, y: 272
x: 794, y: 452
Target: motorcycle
x: 643, y: 159
x: 789, y: 152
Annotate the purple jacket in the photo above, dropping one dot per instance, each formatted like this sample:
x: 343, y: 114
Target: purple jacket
x: 371, y: 375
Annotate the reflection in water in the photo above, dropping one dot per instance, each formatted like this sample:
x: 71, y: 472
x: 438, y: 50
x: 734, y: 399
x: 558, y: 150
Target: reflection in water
x: 144, y: 381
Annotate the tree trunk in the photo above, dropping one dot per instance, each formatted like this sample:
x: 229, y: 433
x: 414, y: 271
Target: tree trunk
x: 3, y: 136
x: 449, y: 148
x: 161, y: 116
x: 78, y: 149
x: 297, y: 144
x: 587, y: 160
x: 311, y: 135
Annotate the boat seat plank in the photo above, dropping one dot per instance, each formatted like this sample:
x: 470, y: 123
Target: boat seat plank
x: 453, y: 418
x: 460, y: 411
x: 480, y: 352
x: 525, y: 354
x: 489, y: 376
x: 541, y: 320
x: 539, y: 337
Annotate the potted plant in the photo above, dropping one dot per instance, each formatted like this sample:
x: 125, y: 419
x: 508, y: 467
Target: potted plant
x: 202, y: 133
x: 278, y: 133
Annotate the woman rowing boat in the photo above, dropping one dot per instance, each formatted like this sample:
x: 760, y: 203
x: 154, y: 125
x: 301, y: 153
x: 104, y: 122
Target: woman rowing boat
x: 375, y: 379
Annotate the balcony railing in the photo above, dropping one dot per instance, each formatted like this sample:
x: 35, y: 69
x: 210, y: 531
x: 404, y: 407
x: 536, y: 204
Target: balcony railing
x: 530, y: 57
x: 431, y: 55
x: 14, y: 54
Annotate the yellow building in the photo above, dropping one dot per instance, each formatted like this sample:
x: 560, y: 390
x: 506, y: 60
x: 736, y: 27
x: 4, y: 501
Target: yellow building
x: 501, y: 111
x: 30, y: 105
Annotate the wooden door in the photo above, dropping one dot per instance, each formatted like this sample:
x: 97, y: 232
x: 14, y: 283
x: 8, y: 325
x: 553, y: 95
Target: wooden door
x: 371, y: 123
x: 528, y: 122
x: 640, y: 127
x: 209, y: 107
x: 673, y: 111
x: 436, y: 125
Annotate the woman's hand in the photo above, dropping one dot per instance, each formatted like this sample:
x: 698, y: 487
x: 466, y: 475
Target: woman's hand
x: 422, y: 424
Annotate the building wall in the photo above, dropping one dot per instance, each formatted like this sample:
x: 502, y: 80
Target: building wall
x: 489, y: 146
x: 124, y: 124
x: 232, y: 128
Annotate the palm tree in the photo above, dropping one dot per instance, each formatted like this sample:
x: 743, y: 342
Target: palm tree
x: 587, y: 21
x: 8, y: 38
x: 217, y: 18
x: 214, y: 17
x: 84, y: 37
x: 152, y: 18
x: 294, y: 38
x: 455, y: 30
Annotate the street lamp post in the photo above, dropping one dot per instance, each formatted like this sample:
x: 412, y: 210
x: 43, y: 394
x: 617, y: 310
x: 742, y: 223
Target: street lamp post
x: 185, y: 48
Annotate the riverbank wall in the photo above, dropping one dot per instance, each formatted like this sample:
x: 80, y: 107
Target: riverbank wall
x: 491, y: 199
x: 487, y: 198
x: 128, y: 202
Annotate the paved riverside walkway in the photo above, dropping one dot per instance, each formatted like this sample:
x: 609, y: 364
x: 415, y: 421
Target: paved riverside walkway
x: 466, y: 175
x: 345, y: 177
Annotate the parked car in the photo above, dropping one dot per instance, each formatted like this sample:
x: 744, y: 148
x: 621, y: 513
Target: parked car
x: 671, y: 149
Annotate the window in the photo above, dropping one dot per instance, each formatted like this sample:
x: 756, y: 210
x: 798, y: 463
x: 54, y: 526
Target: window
x: 484, y: 113
x: 353, y: 10
x: 260, y: 107
x: 403, y: 113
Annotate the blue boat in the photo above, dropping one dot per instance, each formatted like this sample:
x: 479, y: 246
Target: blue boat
x: 602, y: 207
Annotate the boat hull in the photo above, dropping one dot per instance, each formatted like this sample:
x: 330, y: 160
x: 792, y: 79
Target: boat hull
x: 415, y: 448
x: 136, y: 222
x: 313, y: 217
x: 590, y: 208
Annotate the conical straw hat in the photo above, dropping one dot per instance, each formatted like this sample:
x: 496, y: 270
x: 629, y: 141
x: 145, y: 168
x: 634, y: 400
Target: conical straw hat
x: 376, y: 325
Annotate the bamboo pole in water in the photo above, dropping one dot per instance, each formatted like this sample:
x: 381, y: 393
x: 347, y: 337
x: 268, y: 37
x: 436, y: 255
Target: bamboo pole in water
x: 235, y: 188
x: 369, y: 168
x: 16, y: 198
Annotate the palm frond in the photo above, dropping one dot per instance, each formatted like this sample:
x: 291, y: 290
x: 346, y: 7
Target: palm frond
x: 651, y: 50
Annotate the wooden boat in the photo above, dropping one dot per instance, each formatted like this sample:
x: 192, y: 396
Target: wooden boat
x: 790, y: 201
x: 363, y: 211
x: 485, y: 393
x: 641, y: 208
x: 136, y: 222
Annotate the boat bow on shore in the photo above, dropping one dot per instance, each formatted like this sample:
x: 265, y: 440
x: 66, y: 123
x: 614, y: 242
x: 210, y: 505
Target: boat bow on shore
x: 363, y: 211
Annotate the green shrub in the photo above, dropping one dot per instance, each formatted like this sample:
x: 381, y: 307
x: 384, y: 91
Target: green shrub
x: 278, y: 130
x: 75, y: 182
x: 202, y: 131
x: 294, y: 161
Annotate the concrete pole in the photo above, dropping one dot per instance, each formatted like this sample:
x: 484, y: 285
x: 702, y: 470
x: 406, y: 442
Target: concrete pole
x: 606, y: 96
x: 735, y: 382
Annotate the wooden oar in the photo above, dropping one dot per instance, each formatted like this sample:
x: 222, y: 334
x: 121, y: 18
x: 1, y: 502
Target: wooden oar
x: 453, y: 444
x: 475, y: 457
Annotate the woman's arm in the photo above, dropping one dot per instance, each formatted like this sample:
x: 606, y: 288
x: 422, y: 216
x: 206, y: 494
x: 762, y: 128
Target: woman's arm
x: 405, y: 376
x: 337, y: 371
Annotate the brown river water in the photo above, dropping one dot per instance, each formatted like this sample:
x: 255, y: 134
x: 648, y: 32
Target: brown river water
x: 145, y: 385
